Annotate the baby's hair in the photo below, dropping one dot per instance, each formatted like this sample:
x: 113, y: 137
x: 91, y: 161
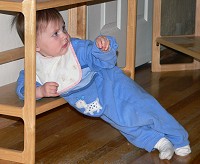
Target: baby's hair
x: 43, y: 17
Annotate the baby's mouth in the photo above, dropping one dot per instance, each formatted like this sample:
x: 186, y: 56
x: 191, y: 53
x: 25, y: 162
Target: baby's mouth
x: 65, y: 45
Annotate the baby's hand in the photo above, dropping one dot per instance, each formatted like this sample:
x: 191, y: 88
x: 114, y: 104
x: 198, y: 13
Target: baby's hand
x: 49, y: 89
x: 103, y: 43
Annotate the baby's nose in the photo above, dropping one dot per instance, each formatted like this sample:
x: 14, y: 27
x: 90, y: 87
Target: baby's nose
x: 66, y: 37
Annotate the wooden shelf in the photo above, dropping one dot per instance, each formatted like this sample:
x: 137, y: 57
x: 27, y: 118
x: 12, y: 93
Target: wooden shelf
x: 189, y: 45
x: 12, y: 106
x: 29, y: 108
x: 11, y: 55
x: 16, y: 5
x: 11, y: 5
x: 44, y: 4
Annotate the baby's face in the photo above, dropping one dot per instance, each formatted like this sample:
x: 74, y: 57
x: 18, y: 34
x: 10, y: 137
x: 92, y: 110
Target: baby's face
x: 53, y: 40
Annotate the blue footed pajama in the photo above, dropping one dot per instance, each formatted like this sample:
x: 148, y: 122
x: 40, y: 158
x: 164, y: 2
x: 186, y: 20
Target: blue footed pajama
x: 106, y: 92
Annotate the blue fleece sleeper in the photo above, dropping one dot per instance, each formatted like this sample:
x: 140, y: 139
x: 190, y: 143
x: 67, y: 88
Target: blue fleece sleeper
x: 106, y: 92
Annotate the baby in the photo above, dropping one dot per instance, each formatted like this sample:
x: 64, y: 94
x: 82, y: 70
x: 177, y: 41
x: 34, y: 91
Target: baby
x: 85, y: 74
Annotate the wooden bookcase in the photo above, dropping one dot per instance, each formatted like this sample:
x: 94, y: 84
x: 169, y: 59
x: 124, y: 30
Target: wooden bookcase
x: 189, y: 44
x: 28, y: 109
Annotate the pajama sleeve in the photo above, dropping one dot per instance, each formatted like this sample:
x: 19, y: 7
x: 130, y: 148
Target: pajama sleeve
x: 89, y: 54
x: 20, y: 85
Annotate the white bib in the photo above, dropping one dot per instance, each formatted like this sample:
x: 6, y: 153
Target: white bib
x: 64, y: 70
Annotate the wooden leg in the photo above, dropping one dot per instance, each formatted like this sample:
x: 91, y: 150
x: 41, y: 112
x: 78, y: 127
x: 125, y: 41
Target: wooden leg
x: 29, y: 110
x: 156, y: 33
x: 131, y: 38
x: 77, y: 22
x: 197, y: 19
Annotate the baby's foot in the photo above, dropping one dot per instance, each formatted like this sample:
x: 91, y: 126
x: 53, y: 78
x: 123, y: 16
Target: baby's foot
x: 183, y: 151
x: 165, y: 148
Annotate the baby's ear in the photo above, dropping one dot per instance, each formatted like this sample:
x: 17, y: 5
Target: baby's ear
x: 37, y: 48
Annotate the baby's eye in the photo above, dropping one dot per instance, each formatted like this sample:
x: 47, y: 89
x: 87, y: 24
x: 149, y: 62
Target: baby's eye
x: 64, y: 29
x: 55, y: 34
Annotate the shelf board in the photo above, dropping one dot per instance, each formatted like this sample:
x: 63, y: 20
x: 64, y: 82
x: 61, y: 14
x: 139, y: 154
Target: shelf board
x: 189, y: 45
x: 11, y: 5
x: 11, y: 105
x: 44, y: 4
x: 16, y: 5
x: 47, y: 104
x: 11, y: 55
x: 8, y: 154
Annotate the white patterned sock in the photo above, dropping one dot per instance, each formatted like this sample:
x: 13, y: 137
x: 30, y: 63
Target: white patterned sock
x: 165, y: 148
x: 183, y: 151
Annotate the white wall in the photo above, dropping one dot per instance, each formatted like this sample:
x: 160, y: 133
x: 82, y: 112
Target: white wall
x: 10, y: 39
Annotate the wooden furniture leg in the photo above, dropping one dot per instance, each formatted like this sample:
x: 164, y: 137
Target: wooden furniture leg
x: 77, y: 22
x: 131, y: 38
x: 29, y: 114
